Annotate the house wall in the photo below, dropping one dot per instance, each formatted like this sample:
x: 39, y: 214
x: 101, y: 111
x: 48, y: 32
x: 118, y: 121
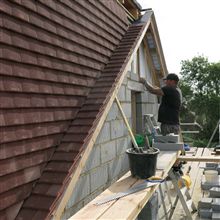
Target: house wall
x: 108, y: 160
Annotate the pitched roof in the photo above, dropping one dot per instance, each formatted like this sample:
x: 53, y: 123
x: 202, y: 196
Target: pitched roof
x: 50, y: 57
x: 61, y: 64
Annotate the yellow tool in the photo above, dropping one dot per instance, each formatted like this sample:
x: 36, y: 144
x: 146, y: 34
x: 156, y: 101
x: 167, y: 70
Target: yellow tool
x: 186, y: 179
x: 155, y: 178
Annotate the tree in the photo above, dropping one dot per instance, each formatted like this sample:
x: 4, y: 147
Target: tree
x: 200, y: 82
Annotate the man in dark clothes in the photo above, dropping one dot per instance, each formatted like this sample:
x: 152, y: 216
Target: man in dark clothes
x: 169, y: 109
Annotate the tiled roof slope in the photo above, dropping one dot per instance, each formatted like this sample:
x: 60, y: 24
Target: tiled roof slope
x: 51, y: 54
x: 56, y: 174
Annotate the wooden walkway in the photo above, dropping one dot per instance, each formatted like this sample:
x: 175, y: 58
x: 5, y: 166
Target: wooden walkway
x: 130, y: 206
x: 196, y: 175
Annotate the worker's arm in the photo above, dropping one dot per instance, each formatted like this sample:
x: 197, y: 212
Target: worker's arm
x: 152, y: 89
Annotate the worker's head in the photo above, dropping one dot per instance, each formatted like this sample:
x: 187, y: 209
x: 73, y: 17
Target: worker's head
x: 171, y: 79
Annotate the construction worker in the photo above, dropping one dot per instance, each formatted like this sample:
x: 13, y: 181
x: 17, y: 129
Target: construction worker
x: 169, y: 109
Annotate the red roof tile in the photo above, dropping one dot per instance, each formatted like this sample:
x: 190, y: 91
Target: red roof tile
x: 55, y: 86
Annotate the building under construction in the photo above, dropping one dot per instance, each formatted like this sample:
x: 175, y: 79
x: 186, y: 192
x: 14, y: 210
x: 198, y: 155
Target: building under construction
x: 71, y: 99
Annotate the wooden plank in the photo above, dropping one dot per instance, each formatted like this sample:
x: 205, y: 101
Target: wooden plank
x: 126, y: 123
x: 179, y: 212
x: 159, y: 49
x: 197, y: 191
x: 91, y: 211
x: 200, y: 159
x: 130, y: 206
x: 195, y: 169
x: 57, y: 212
x: 149, y: 61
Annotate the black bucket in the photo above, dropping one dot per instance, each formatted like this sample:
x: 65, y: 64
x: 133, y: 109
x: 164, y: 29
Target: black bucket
x: 143, y: 165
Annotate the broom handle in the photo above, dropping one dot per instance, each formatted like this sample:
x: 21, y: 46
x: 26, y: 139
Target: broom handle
x: 127, y: 124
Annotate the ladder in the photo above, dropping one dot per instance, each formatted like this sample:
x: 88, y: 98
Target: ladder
x: 182, y: 194
x: 151, y: 124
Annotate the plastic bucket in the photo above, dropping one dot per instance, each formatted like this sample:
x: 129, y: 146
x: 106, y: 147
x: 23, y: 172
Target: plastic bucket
x: 143, y: 165
x: 211, y: 176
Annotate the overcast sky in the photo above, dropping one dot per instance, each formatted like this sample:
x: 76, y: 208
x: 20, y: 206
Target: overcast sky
x: 187, y: 28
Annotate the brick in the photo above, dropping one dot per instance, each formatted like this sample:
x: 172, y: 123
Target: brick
x: 215, y: 191
x: 92, y: 196
x: 215, y: 215
x: 167, y: 138
x: 216, y: 204
x: 104, y: 134
x: 121, y: 145
x: 81, y: 190
x: 117, y: 129
x: 108, y: 151
x: 211, y: 165
x: 128, y: 95
x: 132, y: 85
x: 205, y: 203
x: 126, y: 109
x: 94, y: 159
x: 98, y: 177
x: 168, y: 146
x: 207, y: 186
x: 113, y: 112
x: 114, y: 168
x: 122, y: 93
x: 68, y: 213
x: 124, y: 164
x: 205, y: 213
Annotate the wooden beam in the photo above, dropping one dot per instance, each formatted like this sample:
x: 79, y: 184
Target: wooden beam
x: 126, y: 123
x: 57, y: 213
x: 157, y: 41
x: 150, y: 64
x: 200, y: 159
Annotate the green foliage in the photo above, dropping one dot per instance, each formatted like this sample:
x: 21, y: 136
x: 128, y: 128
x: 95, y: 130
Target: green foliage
x: 200, y: 82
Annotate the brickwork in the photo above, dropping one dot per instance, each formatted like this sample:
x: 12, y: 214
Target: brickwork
x: 108, y: 160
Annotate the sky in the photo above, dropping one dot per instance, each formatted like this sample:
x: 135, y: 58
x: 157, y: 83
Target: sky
x: 187, y: 28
